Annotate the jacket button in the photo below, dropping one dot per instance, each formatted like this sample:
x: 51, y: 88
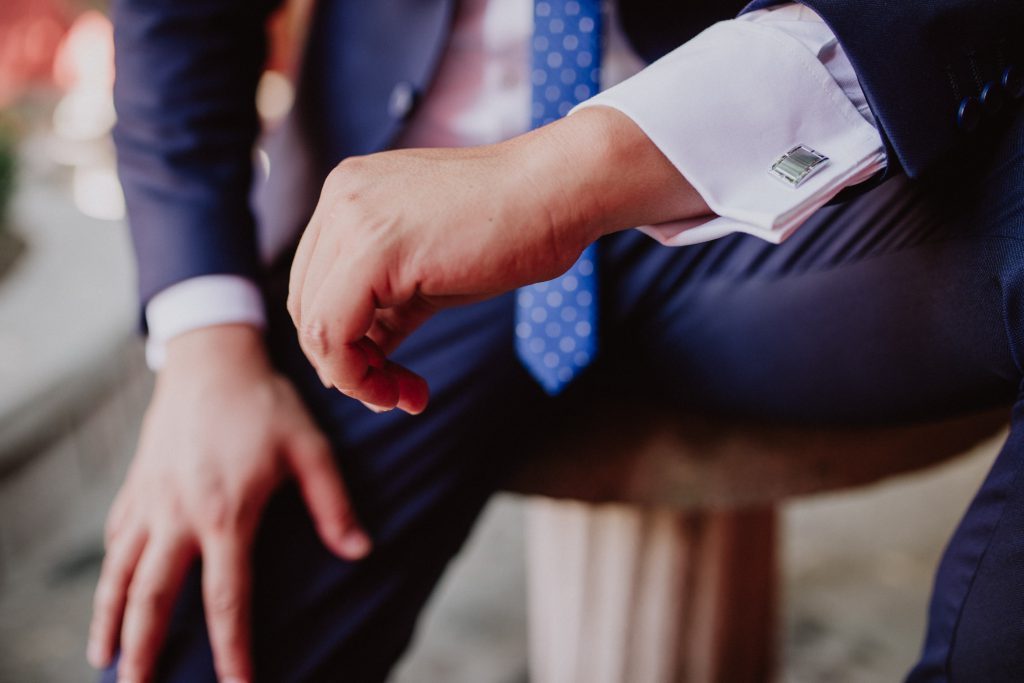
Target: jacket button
x: 402, y: 100
x: 1013, y: 82
x: 992, y: 97
x: 969, y: 114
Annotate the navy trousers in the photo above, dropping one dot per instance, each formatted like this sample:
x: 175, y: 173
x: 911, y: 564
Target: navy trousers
x: 903, y: 304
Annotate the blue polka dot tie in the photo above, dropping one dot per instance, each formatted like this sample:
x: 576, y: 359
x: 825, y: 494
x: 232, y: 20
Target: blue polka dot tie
x: 556, y: 321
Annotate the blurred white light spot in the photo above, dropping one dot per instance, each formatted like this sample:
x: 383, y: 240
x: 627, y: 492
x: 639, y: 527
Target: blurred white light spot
x: 274, y: 96
x: 84, y: 114
x: 97, y: 193
x: 264, y: 161
x: 85, y: 57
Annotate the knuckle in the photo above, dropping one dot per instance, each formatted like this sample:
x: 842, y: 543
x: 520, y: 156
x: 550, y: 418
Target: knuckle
x: 217, y: 507
x: 346, y: 182
x: 313, y: 449
x: 151, y: 599
x: 335, y: 508
x: 281, y: 392
x: 114, y: 523
x: 114, y: 532
x: 314, y: 336
x: 347, y: 168
x: 224, y: 602
x: 229, y: 516
x: 110, y: 532
x: 130, y: 666
x: 338, y: 173
x: 133, y: 663
x: 337, y: 180
x: 321, y: 457
x: 221, y: 514
x: 104, y: 600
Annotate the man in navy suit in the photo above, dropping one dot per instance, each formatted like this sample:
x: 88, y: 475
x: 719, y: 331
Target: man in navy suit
x: 881, y: 144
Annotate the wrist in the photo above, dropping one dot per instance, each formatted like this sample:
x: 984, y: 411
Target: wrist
x: 560, y: 163
x: 229, y: 346
x: 610, y: 175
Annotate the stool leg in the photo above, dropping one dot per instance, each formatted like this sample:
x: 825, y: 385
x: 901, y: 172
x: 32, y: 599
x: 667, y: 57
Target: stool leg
x: 733, y: 617
x: 625, y: 594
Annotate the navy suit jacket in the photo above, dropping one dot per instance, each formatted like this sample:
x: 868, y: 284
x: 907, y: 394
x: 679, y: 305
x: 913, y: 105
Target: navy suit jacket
x: 187, y: 71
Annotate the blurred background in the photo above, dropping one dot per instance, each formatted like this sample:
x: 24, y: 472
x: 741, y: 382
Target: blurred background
x: 857, y: 566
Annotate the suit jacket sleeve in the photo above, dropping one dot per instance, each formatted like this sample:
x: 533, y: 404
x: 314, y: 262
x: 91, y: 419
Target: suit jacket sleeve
x: 934, y: 71
x: 185, y: 96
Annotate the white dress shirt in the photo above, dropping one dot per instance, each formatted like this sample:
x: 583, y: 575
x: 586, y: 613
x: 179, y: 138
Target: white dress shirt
x: 722, y: 108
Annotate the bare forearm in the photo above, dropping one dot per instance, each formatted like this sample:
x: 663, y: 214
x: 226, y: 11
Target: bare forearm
x: 611, y: 176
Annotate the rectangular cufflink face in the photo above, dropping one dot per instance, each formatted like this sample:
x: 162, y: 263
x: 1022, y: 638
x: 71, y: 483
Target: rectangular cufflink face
x: 797, y: 165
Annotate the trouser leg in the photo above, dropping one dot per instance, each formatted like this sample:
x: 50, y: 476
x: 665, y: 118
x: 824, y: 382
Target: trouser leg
x: 976, y: 616
x: 898, y: 305
x: 875, y: 311
x: 917, y: 333
x: 905, y: 304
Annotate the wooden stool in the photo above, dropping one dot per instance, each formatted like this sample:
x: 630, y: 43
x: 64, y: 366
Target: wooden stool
x: 652, y: 551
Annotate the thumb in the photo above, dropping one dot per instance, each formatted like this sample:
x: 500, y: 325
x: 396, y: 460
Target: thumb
x: 309, y: 455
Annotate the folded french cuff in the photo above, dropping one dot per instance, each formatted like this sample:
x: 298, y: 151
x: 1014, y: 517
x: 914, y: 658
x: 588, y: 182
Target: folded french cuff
x: 725, y: 106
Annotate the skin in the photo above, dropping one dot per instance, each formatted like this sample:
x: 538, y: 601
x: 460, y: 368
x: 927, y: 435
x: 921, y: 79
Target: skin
x: 396, y: 237
x: 399, y: 235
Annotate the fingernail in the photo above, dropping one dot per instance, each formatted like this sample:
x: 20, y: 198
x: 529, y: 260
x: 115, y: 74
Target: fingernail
x: 355, y: 545
x: 233, y: 680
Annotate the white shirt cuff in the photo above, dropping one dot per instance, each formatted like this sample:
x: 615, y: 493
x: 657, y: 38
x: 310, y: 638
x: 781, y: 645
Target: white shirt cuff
x: 200, y: 302
x: 727, y: 104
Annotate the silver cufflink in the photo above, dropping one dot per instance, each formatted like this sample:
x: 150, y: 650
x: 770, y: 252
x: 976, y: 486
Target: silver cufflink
x: 797, y: 165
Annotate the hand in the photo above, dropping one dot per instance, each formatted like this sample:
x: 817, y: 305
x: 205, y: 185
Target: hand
x: 398, y: 235
x: 222, y: 431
